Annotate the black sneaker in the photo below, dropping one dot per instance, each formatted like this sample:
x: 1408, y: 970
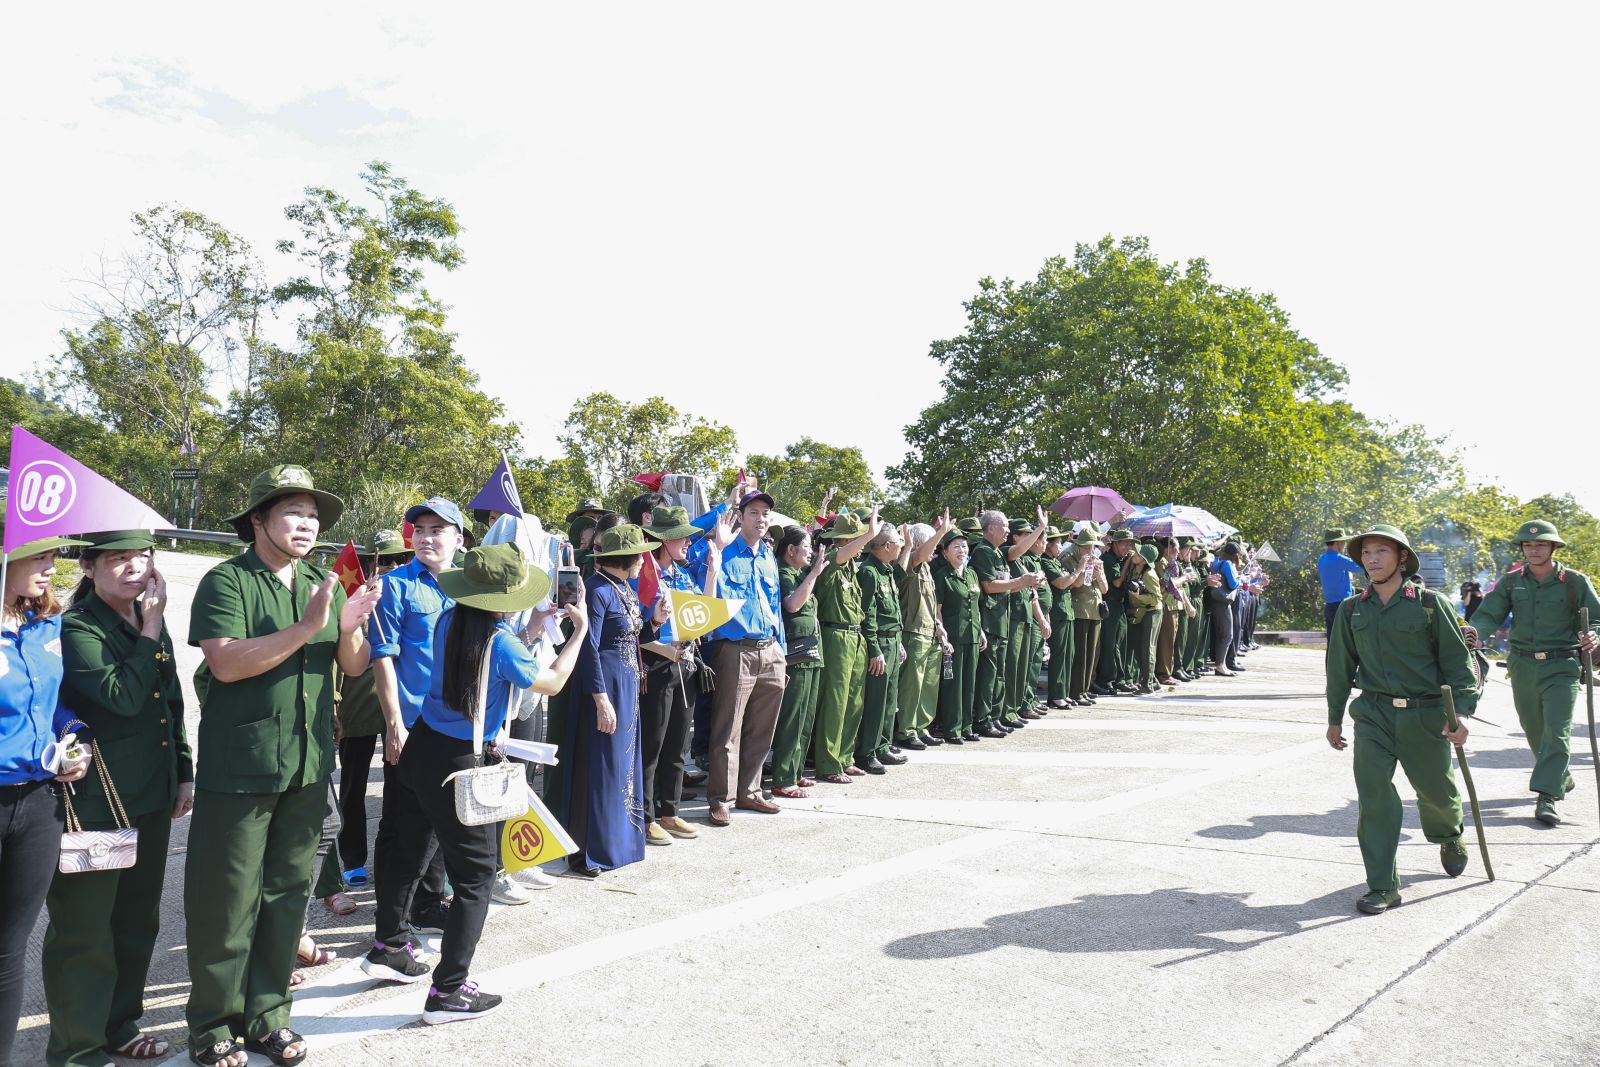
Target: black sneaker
x: 394, y: 964
x: 464, y: 1004
x: 430, y: 920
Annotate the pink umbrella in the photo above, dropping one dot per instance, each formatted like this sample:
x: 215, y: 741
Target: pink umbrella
x: 1091, y: 502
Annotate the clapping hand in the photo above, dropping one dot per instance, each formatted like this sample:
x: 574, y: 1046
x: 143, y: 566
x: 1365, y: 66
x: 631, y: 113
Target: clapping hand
x: 353, y: 616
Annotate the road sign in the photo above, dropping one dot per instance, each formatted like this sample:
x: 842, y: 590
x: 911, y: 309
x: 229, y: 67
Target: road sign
x: 185, y: 474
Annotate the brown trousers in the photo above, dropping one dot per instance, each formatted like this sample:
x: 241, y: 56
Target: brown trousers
x: 744, y: 712
x: 1166, y: 639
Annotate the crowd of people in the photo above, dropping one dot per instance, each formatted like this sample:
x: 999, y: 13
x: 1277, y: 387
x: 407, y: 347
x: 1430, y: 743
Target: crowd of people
x: 855, y: 644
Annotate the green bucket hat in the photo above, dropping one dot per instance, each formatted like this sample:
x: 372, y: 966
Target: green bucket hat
x: 586, y: 504
x: 1055, y: 533
x: 624, y: 539
x: 1149, y: 553
x: 389, y: 543
x: 1538, y: 530
x: 1336, y: 533
x: 1353, y: 548
x: 1119, y: 535
x: 1020, y: 527
x: 44, y: 544
x: 119, y: 540
x: 846, y: 527
x: 1086, y: 536
x: 495, y: 578
x: 670, y: 523
x: 286, y: 479
x: 970, y: 527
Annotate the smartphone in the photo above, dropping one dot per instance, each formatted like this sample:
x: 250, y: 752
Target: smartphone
x: 568, y: 582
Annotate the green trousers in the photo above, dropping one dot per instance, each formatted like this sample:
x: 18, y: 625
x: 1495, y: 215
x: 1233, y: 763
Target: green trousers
x: 795, y: 719
x: 1058, y: 672
x: 880, y: 698
x: 958, y: 694
x: 1546, y: 692
x: 919, y: 684
x: 1386, y: 735
x: 1140, y: 673
x: 97, y: 949
x: 1019, y: 658
x: 247, y: 878
x: 1085, y: 654
x: 1036, y: 667
x: 990, y: 703
x: 1113, y: 646
x: 839, y: 703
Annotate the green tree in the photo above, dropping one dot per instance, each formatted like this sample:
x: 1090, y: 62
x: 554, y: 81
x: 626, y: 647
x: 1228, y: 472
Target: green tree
x: 801, y: 476
x: 612, y: 440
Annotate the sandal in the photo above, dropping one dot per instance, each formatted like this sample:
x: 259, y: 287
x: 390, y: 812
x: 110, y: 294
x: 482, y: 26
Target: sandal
x: 836, y: 779
x: 142, y: 1047
x: 793, y: 792
x: 356, y: 879
x: 297, y: 978
x: 217, y: 1055
x: 315, y: 956
x: 806, y: 783
x: 340, y: 903
x: 273, y: 1044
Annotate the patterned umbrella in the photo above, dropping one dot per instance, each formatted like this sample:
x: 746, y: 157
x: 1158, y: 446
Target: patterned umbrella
x: 1176, y: 520
x: 1091, y: 502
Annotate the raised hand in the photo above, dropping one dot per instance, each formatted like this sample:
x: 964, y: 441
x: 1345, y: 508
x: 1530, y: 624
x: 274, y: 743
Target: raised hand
x: 722, y: 533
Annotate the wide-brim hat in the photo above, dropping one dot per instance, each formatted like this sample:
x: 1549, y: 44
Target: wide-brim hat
x: 845, y: 527
x: 1337, y: 533
x: 1055, y: 533
x: 495, y: 578
x: 670, y: 523
x: 1149, y: 553
x: 119, y: 540
x: 389, y: 543
x: 586, y: 505
x: 43, y: 544
x: 623, y: 539
x: 1119, y: 535
x: 1020, y: 527
x: 1087, y: 536
x: 1538, y: 530
x: 1353, y: 548
x: 286, y: 479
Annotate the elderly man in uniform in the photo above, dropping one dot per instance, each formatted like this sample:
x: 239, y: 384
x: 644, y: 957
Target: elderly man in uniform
x: 1398, y: 643
x: 1112, y: 670
x: 1543, y: 600
x: 997, y: 583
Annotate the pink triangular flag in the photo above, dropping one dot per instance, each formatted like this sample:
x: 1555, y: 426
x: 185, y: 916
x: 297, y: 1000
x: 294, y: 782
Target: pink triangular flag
x: 50, y: 494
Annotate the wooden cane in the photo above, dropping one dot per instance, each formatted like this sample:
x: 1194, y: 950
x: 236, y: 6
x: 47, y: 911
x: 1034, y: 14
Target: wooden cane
x: 1466, y: 774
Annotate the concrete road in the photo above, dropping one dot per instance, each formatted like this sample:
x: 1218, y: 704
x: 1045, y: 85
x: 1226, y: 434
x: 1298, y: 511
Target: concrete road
x: 1163, y: 880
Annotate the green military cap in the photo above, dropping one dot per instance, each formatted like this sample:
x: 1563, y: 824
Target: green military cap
x: 44, y: 544
x: 951, y: 534
x: 845, y: 527
x: 1055, y: 533
x: 1087, y: 536
x: 286, y: 479
x: 1336, y: 533
x: 1538, y: 530
x: 1021, y: 526
x: 1185, y: 541
x: 969, y: 525
x: 119, y: 540
x: 389, y: 543
x: 495, y: 578
x: 1119, y: 535
x: 587, y: 504
x: 575, y: 527
x: 1393, y: 534
x: 861, y: 513
x: 670, y: 523
x: 1149, y: 553
x: 624, y: 539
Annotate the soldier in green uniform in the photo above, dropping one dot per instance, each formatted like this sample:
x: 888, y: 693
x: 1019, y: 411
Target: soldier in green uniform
x: 844, y: 652
x: 1114, y: 627
x: 958, y: 596
x: 997, y: 584
x: 1087, y: 601
x: 1189, y: 622
x: 122, y: 682
x: 1143, y: 592
x: 920, y: 635
x: 1062, y: 574
x: 1398, y: 643
x: 271, y: 626
x: 1025, y: 633
x: 799, y: 567
x: 1044, y: 603
x: 880, y: 629
x: 1543, y: 599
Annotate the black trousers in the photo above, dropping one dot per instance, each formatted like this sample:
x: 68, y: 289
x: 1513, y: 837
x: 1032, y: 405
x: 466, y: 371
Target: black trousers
x: 355, y: 761
x: 31, y: 821
x: 402, y: 819
x: 1328, y: 613
x: 1222, y: 654
x: 469, y: 852
x: 664, y: 714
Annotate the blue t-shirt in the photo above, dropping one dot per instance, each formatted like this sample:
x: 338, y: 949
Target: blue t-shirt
x: 1335, y: 569
x: 510, y: 666
x: 407, y: 613
x: 751, y: 575
x: 30, y: 684
x: 1225, y: 568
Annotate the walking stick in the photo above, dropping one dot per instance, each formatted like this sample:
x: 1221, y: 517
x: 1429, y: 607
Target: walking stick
x: 1588, y: 676
x: 1466, y: 774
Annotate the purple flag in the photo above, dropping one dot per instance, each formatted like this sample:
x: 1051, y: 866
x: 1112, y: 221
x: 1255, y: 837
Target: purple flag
x: 50, y: 494
x: 500, y: 493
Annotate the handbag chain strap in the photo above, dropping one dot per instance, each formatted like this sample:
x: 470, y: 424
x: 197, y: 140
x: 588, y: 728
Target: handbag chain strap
x: 74, y: 825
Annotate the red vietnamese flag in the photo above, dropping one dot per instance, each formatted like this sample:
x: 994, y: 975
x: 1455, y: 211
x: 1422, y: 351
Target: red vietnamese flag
x: 650, y: 480
x: 649, y: 581
x: 406, y: 530
x: 347, y: 568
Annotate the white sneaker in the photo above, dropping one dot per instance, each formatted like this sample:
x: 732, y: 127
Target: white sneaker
x: 533, y: 878
x: 507, y: 891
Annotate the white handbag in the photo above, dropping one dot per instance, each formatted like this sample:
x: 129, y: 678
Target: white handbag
x: 84, y: 851
x: 494, y: 792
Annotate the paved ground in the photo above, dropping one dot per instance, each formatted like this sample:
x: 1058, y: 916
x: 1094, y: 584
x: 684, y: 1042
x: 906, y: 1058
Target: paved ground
x: 1160, y: 880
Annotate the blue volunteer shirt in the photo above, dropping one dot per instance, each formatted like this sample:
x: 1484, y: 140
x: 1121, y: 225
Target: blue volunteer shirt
x: 674, y: 577
x: 30, y: 683
x: 407, y: 613
x: 750, y: 575
x: 511, y: 666
x: 1335, y: 569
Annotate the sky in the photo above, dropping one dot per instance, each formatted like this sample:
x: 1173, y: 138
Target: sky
x: 765, y: 213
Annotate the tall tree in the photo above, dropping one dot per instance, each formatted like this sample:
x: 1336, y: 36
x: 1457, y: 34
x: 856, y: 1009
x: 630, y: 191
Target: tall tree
x: 612, y: 440
x: 800, y: 478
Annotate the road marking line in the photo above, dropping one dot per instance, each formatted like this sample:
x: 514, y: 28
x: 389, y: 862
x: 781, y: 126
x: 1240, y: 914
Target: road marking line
x: 1177, y: 726
x: 1183, y: 761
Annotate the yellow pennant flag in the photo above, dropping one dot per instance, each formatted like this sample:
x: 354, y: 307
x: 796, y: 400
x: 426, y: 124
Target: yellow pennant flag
x: 534, y: 837
x: 695, y: 616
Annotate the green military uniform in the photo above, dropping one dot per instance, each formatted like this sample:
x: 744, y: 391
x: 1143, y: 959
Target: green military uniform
x: 844, y: 656
x: 1399, y: 653
x: 799, y: 712
x: 265, y: 758
x: 919, y: 675
x: 124, y: 687
x: 989, y: 564
x: 1112, y: 668
x: 1201, y: 652
x: 1086, y: 626
x: 880, y: 628
x: 1024, y: 635
x: 1545, y: 665
x: 1144, y: 620
x: 960, y: 611
x: 1058, y: 675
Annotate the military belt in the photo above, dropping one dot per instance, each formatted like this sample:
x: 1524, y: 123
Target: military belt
x: 752, y: 642
x: 848, y: 627
x: 1403, y: 702
x: 1555, y: 653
